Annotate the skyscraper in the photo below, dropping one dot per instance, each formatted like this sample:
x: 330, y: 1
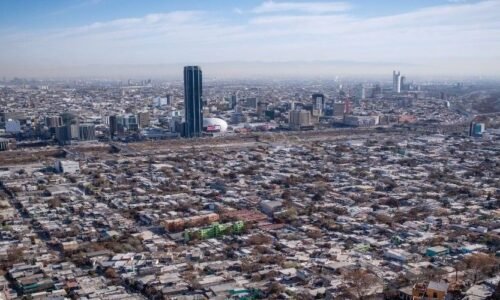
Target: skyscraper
x: 113, y: 125
x: 193, y: 105
x: 396, y: 82
x: 318, y: 101
x: 87, y: 132
x: 299, y: 119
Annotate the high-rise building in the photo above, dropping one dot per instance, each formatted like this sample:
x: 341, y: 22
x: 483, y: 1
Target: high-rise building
x: 113, y: 125
x: 193, y: 104
x: 300, y: 118
x: 261, y: 108
x: 143, y: 119
x: 63, y: 134
x: 360, y: 92
x: 87, y: 132
x: 403, y: 83
x: 396, y: 82
x: 74, y: 131
x: 318, y: 101
x: 339, y: 109
x: 234, y: 101
x: 130, y: 122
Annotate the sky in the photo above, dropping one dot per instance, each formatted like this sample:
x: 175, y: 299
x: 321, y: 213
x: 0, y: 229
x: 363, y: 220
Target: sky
x: 231, y: 38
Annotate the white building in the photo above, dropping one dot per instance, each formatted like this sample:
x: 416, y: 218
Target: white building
x: 396, y: 82
x: 214, y: 124
x: 67, y: 166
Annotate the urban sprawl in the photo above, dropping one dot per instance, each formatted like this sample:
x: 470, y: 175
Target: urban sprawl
x: 213, y: 189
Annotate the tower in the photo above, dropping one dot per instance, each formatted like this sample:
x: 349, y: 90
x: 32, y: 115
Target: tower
x: 318, y: 101
x: 193, y: 105
x: 396, y: 82
x: 113, y: 125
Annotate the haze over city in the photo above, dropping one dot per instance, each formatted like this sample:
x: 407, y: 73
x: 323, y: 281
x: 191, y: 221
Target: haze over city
x: 119, y: 38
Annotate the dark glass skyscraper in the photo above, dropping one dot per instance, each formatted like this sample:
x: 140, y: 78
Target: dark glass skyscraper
x: 193, y: 102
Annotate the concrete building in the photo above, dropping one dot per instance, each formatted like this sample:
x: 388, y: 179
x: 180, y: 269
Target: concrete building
x: 300, y: 119
x: 63, y: 135
x: 318, y: 101
x: 396, y: 82
x: 339, y: 109
x: 67, y: 166
x: 143, y: 119
x: 53, y: 121
x: 87, y: 132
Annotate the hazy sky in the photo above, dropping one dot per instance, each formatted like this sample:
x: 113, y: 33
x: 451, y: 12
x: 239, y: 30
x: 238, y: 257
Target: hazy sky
x: 109, y: 37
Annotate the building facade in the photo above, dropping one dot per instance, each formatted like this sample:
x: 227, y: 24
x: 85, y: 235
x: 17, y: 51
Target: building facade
x: 396, y: 82
x: 193, y: 102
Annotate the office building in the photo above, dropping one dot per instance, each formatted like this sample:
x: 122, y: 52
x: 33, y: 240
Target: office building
x: 162, y: 101
x: 113, y: 125
x: 130, y: 122
x: 360, y: 92
x: 318, y: 101
x: 251, y: 103
x: 339, y: 109
x: 74, y: 131
x: 234, y: 101
x: 403, y: 83
x: 53, y: 121
x: 396, y: 82
x: 300, y: 119
x: 143, y: 119
x: 63, y: 135
x: 87, y: 132
x: 193, y: 105
x: 261, y: 109
x: 476, y: 129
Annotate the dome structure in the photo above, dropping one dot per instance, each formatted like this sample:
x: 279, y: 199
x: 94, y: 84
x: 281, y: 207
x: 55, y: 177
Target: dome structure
x: 214, y: 125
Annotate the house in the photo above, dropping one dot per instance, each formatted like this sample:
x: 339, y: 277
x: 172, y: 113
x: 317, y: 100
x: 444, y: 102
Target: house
x: 270, y: 207
x: 437, y: 251
x: 433, y: 290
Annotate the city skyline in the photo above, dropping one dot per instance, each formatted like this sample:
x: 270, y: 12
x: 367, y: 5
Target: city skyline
x: 270, y: 38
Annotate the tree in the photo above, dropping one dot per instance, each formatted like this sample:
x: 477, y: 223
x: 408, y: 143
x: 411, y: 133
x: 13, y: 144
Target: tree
x: 479, y: 264
x: 275, y: 289
x: 360, y: 282
x: 110, y: 273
